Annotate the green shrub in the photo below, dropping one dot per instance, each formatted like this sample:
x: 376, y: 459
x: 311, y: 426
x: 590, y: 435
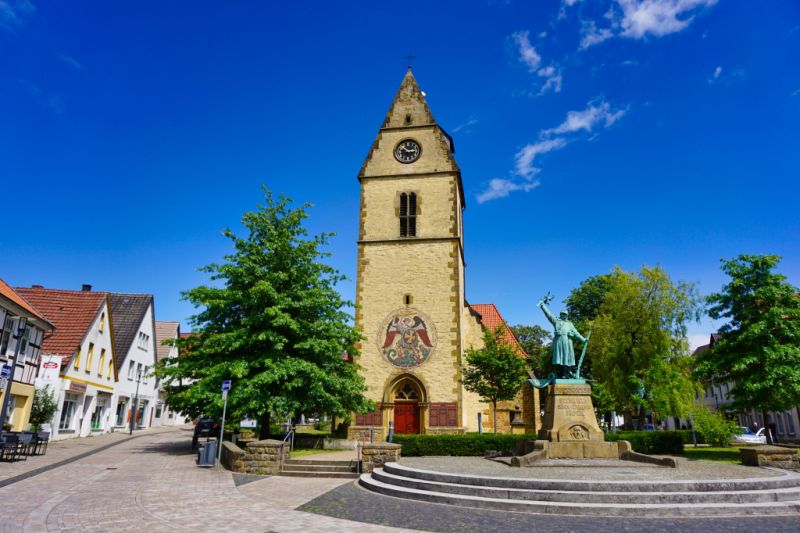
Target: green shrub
x: 651, y: 442
x: 462, y: 445
x: 716, y: 429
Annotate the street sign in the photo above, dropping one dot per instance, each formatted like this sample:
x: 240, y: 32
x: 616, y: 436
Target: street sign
x: 226, y: 385
x: 5, y: 372
x: 225, y: 395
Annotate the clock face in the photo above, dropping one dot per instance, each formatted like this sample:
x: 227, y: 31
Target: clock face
x: 407, y: 151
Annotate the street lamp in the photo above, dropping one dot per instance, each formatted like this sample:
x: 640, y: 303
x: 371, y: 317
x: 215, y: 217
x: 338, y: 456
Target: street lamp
x: 135, y: 400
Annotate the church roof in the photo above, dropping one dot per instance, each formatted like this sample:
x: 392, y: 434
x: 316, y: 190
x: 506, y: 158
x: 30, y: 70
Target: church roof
x: 409, y: 101
x: 491, y: 318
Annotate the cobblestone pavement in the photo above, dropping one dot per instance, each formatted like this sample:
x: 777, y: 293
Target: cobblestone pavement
x: 351, y: 502
x: 65, y: 450
x: 619, y: 471
x: 151, y: 483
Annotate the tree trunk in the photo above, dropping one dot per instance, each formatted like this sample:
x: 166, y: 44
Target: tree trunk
x: 494, y: 404
x: 767, y: 430
x: 641, y: 417
x: 265, y: 420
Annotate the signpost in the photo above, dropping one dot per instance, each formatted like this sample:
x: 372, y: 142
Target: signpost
x: 226, y: 386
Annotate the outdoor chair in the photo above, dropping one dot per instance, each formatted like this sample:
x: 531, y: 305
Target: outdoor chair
x: 25, y: 444
x: 42, y: 439
x: 9, y: 447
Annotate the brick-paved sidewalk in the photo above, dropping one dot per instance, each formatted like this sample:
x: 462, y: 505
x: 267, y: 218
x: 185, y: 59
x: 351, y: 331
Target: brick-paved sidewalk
x: 151, y: 483
x: 62, y: 450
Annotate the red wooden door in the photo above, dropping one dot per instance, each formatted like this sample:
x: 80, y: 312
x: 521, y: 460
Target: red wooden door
x: 406, y: 418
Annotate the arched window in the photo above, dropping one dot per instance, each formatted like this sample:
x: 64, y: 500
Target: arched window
x: 407, y: 392
x: 408, y: 214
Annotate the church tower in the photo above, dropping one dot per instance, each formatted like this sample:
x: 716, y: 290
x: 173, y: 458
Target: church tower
x: 410, y: 302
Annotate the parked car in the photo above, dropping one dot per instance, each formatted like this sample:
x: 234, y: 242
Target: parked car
x: 207, y: 428
x: 747, y: 436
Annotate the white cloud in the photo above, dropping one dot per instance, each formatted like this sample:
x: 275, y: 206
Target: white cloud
x: 525, y: 157
x: 14, y: 12
x: 717, y: 72
x: 71, y: 61
x: 500, y: 188
x: 594, y: 114
x: 597, y: 113
x: 465, y: 126
x: 533, y: 60
x: 636, y: 19
x: 697, y: 340
x: 527, y: 53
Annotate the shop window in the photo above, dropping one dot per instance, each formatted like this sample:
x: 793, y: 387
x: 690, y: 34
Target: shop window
x: 67, y: 410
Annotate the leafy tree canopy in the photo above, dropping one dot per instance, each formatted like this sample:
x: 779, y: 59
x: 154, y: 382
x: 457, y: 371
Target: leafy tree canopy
x: 759, y: 347
x: 495, y: 372
x: 273, y: 323
x: 638, y: 347
x: 535, y: 340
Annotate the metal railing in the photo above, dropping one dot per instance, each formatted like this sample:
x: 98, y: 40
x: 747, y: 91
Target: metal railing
x: 289, y: 438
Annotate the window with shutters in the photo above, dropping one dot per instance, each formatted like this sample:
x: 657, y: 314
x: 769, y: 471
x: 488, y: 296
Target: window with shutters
x: 408, y: 214
x: 374, y: 418
x: 443, y: 415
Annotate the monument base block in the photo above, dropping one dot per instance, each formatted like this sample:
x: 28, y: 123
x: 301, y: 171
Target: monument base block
x: 570, y: 431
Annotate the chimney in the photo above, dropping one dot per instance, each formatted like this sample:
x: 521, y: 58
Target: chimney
x: 37, y: 286
x: 86, y: 287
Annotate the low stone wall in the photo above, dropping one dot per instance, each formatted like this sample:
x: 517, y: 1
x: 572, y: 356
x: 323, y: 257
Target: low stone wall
x: 263, y: 457
x: 375, y: 455
x: 231, y: 456
x: 776, y: 456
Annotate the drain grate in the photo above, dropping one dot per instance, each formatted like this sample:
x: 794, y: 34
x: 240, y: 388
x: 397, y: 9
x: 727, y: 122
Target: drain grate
x: 111, y: 468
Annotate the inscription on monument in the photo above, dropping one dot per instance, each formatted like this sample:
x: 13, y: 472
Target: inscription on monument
x: 574, y: 406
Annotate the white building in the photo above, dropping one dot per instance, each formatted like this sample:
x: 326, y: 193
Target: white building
x: 166, y: 331
x: 133, y: 321
x: 82, y: 345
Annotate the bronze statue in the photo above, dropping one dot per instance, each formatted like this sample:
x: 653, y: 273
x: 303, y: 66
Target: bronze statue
x: 563, y: 352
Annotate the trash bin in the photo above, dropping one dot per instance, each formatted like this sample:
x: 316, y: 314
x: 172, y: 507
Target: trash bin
x: 207, y: 454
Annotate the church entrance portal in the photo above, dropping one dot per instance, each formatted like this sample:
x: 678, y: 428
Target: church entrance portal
x: 406, y: 409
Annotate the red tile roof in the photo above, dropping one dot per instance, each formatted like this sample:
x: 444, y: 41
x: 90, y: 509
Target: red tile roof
x: 16, y: 298
x: 72, y: 312
x: 491, y: 318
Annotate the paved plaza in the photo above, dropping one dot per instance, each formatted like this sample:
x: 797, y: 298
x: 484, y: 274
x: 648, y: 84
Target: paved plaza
x: 150, y: 483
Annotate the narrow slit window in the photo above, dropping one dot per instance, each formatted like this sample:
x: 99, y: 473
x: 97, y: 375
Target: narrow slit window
x: 408, y: 214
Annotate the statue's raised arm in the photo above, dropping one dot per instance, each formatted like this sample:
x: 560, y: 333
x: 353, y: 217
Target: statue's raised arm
x: 547, y: 312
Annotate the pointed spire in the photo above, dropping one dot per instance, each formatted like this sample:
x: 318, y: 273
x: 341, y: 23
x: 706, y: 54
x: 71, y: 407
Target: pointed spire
x: 409, y: 107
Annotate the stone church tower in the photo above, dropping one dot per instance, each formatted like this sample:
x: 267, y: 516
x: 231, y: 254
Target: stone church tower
x: 410, y: 300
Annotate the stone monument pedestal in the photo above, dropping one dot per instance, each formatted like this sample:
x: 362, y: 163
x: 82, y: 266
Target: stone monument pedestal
x: 570, y: 430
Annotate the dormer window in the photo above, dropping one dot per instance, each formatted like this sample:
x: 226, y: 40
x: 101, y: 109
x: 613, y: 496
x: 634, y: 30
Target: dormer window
x: 408, y: 214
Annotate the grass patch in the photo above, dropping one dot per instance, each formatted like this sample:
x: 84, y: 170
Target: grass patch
x: 302, y: 453
x: 729, y: 454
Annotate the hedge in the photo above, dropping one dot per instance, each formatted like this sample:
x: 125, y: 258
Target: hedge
x: 467, y: 444
x: 652, y: 442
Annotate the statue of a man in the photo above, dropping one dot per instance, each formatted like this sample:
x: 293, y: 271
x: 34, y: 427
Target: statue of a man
x: 563, y: 352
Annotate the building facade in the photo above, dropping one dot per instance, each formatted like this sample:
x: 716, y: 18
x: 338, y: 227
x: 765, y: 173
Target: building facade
x: 410, y: 296
x: 21, y: 385
x: 133, y: 319
x: 166, y: 331
x: 82, y: 347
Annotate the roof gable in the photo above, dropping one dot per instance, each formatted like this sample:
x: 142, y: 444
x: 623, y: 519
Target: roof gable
x: 16, y: 299
x: 127, y: 313
x: 72, y: 312
x: 491, y: 318
x: 164, y: 331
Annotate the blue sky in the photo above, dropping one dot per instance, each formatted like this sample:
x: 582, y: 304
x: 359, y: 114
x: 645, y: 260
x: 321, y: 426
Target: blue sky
x: 589, y: 134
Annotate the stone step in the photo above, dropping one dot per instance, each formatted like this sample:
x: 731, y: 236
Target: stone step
x: 369, y: 482
x: 786, y: 480
x: 742, y: 497
x: 312, y: 462
x: 318, y: 468
x: 342, y: 475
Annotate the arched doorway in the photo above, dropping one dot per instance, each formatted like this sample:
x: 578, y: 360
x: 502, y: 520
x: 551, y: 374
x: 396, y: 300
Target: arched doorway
x: 406, y: 407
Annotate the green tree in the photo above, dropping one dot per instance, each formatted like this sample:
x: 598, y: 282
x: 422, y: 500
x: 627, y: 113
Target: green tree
x: 273, y: 323
x: 495, y: 372
x: 715, y: 428
x: 583, y: 304
x: 44, y: 406
x: 759, y: 348
x: 638, y: 347
x: 535, y: 340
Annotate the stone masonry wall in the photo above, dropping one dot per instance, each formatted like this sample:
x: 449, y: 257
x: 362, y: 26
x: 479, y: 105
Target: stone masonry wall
x: 377, y: 454
x: 264, y: 457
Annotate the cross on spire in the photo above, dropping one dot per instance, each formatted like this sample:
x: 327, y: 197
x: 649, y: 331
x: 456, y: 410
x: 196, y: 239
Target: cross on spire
x: 410, y: 58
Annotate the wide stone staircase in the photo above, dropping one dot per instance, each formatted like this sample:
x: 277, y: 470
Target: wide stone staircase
x: 315, y: 468
x: 773, y: 496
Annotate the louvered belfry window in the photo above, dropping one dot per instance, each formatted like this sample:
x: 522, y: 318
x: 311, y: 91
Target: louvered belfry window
x: 408, y: 214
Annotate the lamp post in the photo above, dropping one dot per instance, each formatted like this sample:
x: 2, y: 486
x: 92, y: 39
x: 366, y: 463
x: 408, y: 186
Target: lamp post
x: 7, y: 397
x: 135, y: 400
